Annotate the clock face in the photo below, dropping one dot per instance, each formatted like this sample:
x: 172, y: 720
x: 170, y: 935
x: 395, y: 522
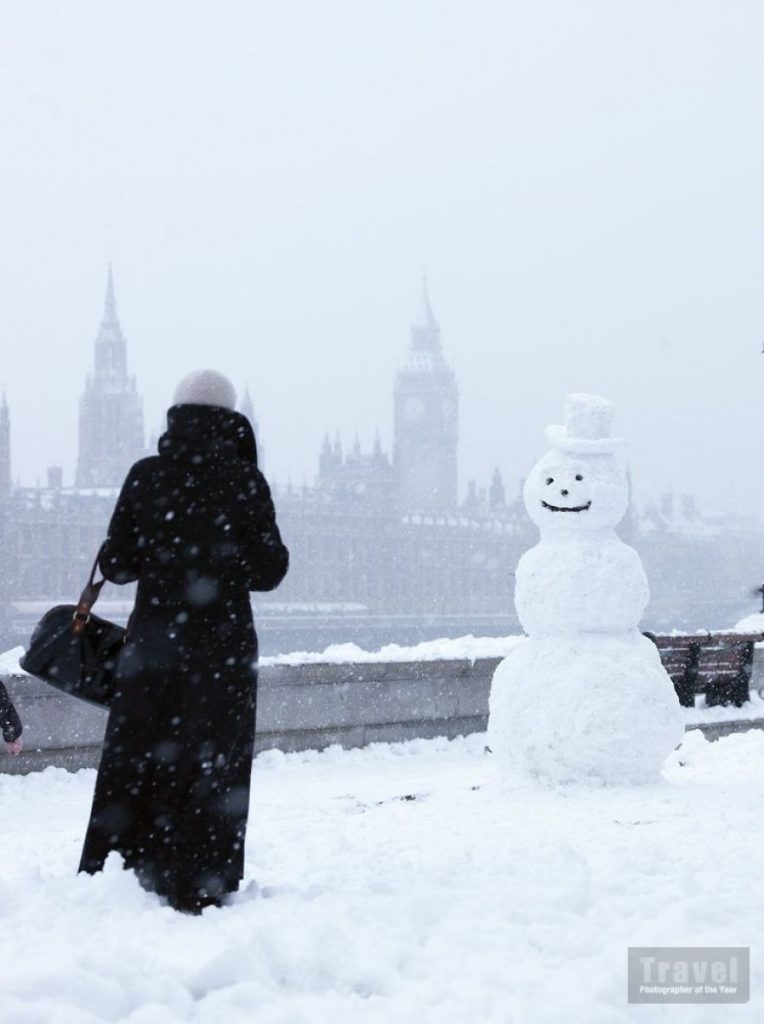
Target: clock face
x: 414, y: 409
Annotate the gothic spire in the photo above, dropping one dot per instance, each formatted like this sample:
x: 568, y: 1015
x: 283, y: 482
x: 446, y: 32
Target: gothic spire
x: 425, y: 316
x: 425, y: 331
x: 110, y: 305
x: 110, y: 345
x: 111, y: 413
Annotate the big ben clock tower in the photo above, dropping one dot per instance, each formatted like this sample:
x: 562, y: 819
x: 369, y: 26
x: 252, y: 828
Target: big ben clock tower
x: 426, y: 421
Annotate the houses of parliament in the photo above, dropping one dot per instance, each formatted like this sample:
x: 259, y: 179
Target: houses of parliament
x: 379, y: 537
x: 382, y: 547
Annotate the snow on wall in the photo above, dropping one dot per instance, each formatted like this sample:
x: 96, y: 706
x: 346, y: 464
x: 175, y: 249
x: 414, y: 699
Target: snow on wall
x: 466, y: 648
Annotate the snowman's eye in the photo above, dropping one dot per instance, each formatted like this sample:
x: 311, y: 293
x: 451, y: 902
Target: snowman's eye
x: 579, y: 477
x: 549, y: 480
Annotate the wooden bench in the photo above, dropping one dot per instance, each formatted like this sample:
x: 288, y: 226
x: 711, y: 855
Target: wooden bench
x: 715, y: 664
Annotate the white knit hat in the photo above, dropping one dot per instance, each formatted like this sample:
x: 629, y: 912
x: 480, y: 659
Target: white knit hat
x: 206, y: 387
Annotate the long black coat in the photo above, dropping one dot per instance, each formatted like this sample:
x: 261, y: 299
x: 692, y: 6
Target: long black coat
x: 195, y: 526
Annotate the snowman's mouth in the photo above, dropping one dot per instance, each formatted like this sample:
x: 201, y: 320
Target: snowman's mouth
x: 568, y: 508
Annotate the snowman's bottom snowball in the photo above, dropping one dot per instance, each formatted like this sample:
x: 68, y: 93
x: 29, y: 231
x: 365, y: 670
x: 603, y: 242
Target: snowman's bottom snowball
x: 592, y: 707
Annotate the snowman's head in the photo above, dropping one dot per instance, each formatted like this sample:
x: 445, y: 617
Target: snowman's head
x: 581, y: 484
x: 570, y: 491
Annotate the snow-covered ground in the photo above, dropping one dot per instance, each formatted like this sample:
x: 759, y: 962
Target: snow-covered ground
x: 701, y: 714
x: 471, y: 903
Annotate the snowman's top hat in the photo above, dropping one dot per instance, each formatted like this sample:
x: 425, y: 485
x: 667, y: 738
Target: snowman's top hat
x: 587, y: 429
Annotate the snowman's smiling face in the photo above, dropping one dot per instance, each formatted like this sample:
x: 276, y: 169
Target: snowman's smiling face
x: 579, y: 492
x: 564, y: 493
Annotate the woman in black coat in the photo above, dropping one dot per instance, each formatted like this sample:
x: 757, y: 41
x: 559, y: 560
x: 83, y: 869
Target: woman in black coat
x: 196, y: 527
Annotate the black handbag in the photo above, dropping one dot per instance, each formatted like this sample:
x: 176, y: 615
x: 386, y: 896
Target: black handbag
x: 76, y: 651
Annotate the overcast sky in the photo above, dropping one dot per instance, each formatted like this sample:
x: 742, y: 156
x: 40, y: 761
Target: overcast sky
x: 583, y: 182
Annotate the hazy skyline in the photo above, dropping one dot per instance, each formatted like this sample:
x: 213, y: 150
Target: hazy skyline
x: 582, y: 181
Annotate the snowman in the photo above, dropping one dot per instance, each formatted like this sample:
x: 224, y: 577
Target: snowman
x: 585, y: 698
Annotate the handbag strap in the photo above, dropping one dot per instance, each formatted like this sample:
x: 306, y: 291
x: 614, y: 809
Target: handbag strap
x: 88, y: 598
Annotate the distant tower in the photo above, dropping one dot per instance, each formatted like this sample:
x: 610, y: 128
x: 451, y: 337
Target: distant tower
x: 497, y: 495
x: 246, y: 408
x: 426, y: 421
x: 111, y: 413
x: 5, y: 451
x: 326, y: 463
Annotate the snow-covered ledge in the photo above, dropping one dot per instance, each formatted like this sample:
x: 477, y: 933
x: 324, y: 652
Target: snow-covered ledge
x: 343, y: 695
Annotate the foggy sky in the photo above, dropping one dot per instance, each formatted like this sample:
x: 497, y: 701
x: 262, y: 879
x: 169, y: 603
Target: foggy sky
x: 583, y: 182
